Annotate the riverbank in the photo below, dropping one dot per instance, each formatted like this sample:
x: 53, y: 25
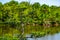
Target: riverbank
x: 36, y: 31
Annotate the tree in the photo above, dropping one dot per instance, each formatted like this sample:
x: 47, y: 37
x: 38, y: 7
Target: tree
x: 46, y: 11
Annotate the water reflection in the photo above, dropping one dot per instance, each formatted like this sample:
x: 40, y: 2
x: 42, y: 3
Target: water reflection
x: 47, y: 37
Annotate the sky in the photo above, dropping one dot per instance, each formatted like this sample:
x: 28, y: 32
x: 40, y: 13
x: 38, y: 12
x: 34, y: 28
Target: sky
x: 48, y: 2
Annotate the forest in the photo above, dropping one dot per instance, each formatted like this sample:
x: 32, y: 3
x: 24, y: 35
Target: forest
x: 25, y: 18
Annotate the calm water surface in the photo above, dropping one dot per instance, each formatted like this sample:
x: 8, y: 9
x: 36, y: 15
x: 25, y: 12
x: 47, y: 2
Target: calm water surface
x: 47, y: 37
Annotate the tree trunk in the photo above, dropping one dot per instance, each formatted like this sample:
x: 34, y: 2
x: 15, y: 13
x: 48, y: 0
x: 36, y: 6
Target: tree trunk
x: 46, y: 24
x: 56, y: 24
x: 22, y: 28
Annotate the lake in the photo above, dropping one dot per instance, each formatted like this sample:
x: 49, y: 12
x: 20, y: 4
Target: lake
x: 47, y: 37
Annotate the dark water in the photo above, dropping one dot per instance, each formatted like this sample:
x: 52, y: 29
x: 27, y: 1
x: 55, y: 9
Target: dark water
x: 47, y: 37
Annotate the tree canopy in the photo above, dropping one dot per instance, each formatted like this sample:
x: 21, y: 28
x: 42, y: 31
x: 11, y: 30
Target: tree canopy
x: 28, y: 13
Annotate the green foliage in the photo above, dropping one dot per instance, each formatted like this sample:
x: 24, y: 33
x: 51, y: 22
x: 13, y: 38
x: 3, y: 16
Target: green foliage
x: 8, y: 37
x: 34, y: 15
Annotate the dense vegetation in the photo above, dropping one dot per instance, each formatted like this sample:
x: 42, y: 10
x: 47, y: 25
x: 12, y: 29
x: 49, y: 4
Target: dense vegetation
x: 33, y: 18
